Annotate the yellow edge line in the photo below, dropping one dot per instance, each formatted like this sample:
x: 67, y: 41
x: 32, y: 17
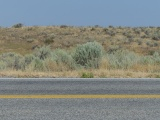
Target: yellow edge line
x: 77, y: 96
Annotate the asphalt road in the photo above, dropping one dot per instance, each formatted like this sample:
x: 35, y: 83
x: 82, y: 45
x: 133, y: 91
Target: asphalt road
x: 79, y: 86
x: 80, y: 109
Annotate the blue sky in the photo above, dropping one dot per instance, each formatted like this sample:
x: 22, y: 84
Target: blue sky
x: 80, y: 12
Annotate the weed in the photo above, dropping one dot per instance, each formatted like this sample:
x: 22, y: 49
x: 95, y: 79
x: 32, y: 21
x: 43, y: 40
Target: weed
x: 87, y: 75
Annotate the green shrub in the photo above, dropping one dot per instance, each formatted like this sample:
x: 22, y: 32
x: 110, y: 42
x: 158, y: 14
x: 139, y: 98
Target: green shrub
x: 157, y: 76
x: 146, y: 60
x: 38, y: 65
x: 122, y: 59
x: 87, y: 75
x: 13, y: 61
x: 61, y: 56
x: 49, y: 40
x: 19, y: 25
x: 155, y: 44
x: 2, y: 65
x: 30, y: 40
x: 113, y: 49
x: 151, y: 60
x: 156, y: 58
x: 29, y: 58
x: 63, y: 26
x: 156, y: 36
x: 43, y: 52
x: 88, y: 55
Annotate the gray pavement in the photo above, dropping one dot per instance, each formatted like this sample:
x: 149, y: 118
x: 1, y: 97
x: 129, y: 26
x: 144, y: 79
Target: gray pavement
x: 79, y: 109
x: 79, y: 86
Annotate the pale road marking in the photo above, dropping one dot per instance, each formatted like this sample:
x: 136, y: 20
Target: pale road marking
x: 79, y: 96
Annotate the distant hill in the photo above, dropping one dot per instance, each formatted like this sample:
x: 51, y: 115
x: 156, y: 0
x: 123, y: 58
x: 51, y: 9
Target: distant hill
x: 23, y: 39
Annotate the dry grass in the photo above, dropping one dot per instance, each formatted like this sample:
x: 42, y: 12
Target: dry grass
x: 101, y: 73
x: 146, y: 68
x: 22, y: 40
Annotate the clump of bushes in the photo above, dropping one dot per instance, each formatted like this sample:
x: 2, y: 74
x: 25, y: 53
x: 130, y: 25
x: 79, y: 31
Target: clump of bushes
x: 13, y: 61
x: 122, y: 59
x: 88, y: 56
x: 150, y: 60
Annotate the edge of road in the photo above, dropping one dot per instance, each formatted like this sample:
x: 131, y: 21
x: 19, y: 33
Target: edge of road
x: 89, y: 96
x: 80, y: 79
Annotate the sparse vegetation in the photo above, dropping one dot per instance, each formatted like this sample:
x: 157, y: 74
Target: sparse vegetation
x: 65, y: 48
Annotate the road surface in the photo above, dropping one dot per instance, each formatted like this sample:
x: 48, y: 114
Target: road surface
x: 109, y: 99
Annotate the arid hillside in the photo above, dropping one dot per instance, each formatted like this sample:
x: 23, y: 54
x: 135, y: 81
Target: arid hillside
x: 23, y: 39
x: 67, y: 51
